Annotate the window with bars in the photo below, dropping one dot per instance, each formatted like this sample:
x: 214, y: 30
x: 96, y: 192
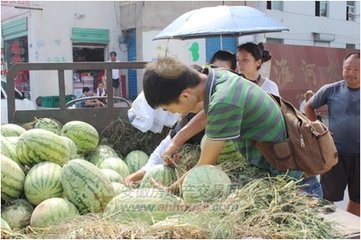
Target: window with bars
x: 275, y: 5
x: 321, y: 8
x: 350, y: 11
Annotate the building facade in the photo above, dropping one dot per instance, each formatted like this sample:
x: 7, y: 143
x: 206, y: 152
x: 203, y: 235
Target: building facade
x: 87, y: 31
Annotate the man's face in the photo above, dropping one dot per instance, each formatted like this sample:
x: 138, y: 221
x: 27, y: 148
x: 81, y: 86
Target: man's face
x: 222, y: 64
x: 187, y: 102
x: 113, y: 57
x: 351, y: 72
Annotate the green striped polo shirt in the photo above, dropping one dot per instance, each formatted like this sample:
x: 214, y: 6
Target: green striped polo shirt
x: 240, y: 110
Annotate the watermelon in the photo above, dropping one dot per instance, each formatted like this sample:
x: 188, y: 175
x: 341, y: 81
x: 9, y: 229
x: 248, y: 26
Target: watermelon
x: 72, y: 147
x: 101, y: 152
x: 112, y: 175
x: 43, y: 182
x: 230, y: 151
x: 205, y: 183
x: 13, y: 140
x: 144, y: 204
x: 119, y: 188
x: 5, y: 226
x: 39, y: 145
x: 12, y: 178
x: 116, y: 164
x: 52, y: 211
x: 86, y: 186
x: 17, y: 214
x: 11, y: 130
x: 8, y: 149
x: 49, y: 124
x: 136, y: 160
x: 165, y: 175
x: 84, y: 135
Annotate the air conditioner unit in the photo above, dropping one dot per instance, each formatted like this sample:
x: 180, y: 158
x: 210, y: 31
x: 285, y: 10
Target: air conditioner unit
x: 323, y: 37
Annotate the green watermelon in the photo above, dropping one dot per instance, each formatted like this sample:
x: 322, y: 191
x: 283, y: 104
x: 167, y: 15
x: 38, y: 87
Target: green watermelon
x: 230, y: 151
x: 144, y: 204
x: 136, y: 160
x: 17, y: 214
x: 52, y: 211
x: 101, y: 152
x: 86, y: 186
x: 205, y: 183
x: 39, y: 145
x: 72, y: 147
x: 5, y: 226
x: 165, y: 175
x: 11, y: 130
x: 116, y: 164
x: 49, y: 124
x: 112, y: 175
x: 84, y: 135
x: 43, y: 182
x: 12, y: 178
x: 8, y: 149
x: 119, y: 188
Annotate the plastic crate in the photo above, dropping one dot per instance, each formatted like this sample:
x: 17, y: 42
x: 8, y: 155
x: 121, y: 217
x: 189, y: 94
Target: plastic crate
x: 53, y: 101
x: 49, y: 101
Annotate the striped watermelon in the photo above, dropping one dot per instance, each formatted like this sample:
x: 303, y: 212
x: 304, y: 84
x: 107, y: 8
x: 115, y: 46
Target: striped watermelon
x: 11, y: 130
x: 144, y: 204
x: 116, y: 164
x: 230, y: 151
x: 43, y: 182
x: 136, y: 160
x: 5, y: 226
x: 86, y: 186
x: 39, y: 145
x: 84, y: 135
x: 49, y: 124
x: 17, y: 213
x: 112, y: 175
x: 119, y: 188
x: 99, y: 153
x: 52, y: 211
x: 163, y: 174
x: 72, y: 147
x: 205, y: 183
x: 12, y: 178
x: 8, y: 149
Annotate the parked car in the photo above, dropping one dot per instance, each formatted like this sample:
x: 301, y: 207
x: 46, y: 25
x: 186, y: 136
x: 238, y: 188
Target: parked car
x: 21, y: 102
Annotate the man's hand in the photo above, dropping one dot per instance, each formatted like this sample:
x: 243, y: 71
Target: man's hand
x: 172, y: 159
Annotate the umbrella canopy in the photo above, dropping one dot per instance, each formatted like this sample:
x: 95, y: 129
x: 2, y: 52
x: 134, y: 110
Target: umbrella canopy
x: 220, y: 21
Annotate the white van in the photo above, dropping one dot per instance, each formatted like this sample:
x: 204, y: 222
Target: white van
x: 21, y: 103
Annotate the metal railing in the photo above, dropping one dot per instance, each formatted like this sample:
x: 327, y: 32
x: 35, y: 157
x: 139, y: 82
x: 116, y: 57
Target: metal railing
x: 98, y: 117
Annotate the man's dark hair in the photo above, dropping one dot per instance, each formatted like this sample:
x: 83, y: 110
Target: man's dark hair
x: 165, y: 79
x: 257, y: 51
x: 225, y: 55
x: 86, y: 89
x: 113, y: 53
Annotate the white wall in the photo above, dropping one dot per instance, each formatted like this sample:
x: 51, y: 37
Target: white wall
x: 49, y: 38
x: 299, y: 17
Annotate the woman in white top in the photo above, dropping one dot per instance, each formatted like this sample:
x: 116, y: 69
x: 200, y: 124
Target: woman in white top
x: 250, y: 57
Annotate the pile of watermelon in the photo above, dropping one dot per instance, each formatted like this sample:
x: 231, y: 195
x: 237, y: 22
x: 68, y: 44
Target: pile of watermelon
x: 56, y: 172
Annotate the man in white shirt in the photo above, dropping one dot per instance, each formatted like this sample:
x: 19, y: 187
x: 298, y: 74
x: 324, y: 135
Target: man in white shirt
x: 115, y: 74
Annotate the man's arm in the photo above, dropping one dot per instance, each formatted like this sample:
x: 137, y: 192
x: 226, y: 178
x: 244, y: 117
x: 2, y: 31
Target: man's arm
x: 209, y: 156
x: 193, y: 127
x: 310, y: 111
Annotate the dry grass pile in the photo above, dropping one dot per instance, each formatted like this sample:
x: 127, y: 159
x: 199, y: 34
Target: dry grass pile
x: 270, y: 207
x: 124, y: 138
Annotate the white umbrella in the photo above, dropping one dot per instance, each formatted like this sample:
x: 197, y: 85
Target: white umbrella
x: 220, y: 21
